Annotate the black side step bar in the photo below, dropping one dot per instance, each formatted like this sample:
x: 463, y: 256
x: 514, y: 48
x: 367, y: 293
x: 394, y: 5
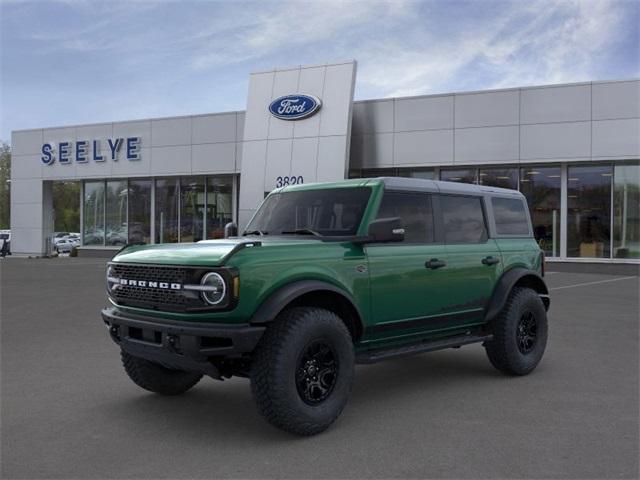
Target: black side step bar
x: 374, y: 356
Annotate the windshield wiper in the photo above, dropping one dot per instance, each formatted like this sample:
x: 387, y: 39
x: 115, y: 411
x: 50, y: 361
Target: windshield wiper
x: 253, y: 232
x: 301, y: 231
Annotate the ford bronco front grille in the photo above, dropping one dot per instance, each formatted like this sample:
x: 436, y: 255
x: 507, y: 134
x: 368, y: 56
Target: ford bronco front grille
x: 155, y: 287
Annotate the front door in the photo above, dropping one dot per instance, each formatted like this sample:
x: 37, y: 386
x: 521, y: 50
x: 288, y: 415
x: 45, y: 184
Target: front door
x: 407, y: 279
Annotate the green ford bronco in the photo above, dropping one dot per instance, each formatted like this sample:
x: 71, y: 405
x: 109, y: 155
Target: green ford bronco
x: 326, y: 276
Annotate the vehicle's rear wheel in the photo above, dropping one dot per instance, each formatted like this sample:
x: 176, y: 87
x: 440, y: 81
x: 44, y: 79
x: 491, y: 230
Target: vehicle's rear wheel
x: 156, y: 378
x: 303, y: 369
x: 519, y: 333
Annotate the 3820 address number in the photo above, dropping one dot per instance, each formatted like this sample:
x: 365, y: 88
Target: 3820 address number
x: 293, y: 180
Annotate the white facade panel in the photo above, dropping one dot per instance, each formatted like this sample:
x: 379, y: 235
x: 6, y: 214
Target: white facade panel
x: 285, y: 83
x: 28, y: 215
x: 26, y: 166
x: 256, y: 125
x: 278, y: 162
x: 171, y: 132
x: 616, y: 100
x: 483, y: 144
x: 331, y: 157
x: 487, y: 109
x: 616, y: 138
x: 126, y: 168
x: 424, y: 148
x: 171, y: 160
x: 254, y: 158
x: 376, y: 150
x: 555, y: 140
x: 372, y: 117
x: 426, y: 113
x: 26, y: 142
x: 239, y: 126
x: 309, y: 83
x: 335, y: 115
x: 213, y: 158
x: 555, y: 104
x: 213, y: 128
x: 22, y: 191
x: 304, y: 158
x: 136, y: 128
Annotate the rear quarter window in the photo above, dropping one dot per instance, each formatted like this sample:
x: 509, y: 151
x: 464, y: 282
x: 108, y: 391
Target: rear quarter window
x: 463, y: 219
x: 510, y: 216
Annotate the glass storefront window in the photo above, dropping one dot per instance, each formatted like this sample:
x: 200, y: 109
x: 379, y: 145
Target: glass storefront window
x: 463, y: 175
x: 425, y: 173
x: 167, y: 201
x: 116, y: 212
x: 541, y: 187
x: 499, y: 177
x: 93, y: 221
x: 626, y: 211
x: 191, y: 209
x: 589, y: 211
x: 219, y: 205
x: 139, y: 211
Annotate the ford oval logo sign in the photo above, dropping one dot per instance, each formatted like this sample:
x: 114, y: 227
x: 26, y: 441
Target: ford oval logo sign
x: 295, y: 107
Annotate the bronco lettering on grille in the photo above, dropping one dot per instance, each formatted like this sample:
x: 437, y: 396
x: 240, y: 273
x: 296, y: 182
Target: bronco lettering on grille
x: 150, y: 284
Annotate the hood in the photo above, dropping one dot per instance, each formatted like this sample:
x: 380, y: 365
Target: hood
x: 205, y: 253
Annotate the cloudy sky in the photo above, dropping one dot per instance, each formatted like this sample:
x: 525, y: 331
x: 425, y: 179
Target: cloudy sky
x: 75, y: 61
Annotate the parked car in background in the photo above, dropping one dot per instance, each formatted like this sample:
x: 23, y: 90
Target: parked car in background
x: 5, y: 241
x: 65, y: 245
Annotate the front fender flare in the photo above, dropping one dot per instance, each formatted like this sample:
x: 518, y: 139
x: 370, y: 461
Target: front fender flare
x: 505, y: 284
x: 282, y: 297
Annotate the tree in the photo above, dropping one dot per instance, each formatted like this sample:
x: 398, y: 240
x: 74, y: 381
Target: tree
x: 5, y: 185
x: 66, y: 203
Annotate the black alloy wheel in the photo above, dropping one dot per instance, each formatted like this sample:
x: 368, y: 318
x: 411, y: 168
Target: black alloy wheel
x: 316, y: 372
x: 527, y: 332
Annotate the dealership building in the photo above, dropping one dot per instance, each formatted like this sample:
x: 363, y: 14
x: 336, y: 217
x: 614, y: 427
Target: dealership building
x: 573, y: 150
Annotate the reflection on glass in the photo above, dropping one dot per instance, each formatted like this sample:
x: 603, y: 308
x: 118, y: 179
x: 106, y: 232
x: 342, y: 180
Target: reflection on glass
x: 116, y: 217
x: 425, y: 173
x: 462, y: 175
x: 626, y: 211
x: 219, y: 204
x: 378, y: 172
x: 589, y: 211
x: 93, y: 228
x: 499, y: 177
x: 541, y: 187
x: 191, y: 209
x: 167, y: 198
x: 139, y: 211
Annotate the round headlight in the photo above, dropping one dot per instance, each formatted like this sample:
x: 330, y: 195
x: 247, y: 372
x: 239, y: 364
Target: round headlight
x: 214, y: 288
x: 110, y: 279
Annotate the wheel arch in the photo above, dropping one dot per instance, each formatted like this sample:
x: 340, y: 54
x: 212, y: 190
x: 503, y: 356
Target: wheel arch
x: 516, y: 277
x: 313, y: 293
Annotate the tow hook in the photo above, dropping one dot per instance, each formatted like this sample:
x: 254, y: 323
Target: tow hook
x: 114, y: 331
x: 172, y: 343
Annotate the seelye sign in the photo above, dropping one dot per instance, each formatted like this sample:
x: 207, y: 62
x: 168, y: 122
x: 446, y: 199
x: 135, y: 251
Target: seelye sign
x: 294, y: 107
x: 84, y: 150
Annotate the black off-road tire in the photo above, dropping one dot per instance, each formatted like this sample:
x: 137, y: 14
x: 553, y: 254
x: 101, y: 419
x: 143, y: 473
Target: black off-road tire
x: 156, y: 378
x: 276, y: 370
x: 509, y: 351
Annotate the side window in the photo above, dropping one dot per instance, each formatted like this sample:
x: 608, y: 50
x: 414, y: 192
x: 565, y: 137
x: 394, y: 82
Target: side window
x: 463, y: 219
x: 415, y: 211
x: 510, y: 216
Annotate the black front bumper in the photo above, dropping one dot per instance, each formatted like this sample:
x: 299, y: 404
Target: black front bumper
x: 181, y: 345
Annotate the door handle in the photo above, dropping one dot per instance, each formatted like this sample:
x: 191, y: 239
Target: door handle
x: 490, y: 260
x: 435, y: 263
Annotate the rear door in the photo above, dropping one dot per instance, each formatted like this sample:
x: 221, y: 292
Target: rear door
x: 405, y: 291
x: 474, y: 262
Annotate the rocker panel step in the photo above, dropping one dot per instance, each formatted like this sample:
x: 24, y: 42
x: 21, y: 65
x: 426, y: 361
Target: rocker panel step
x: 421, y: 347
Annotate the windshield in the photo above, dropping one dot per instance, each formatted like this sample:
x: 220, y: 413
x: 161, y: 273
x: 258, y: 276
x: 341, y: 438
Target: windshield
x: 327, y: 212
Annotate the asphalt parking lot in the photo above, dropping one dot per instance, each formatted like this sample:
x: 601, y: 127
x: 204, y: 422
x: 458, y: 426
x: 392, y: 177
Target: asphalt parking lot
x: 69, y: 411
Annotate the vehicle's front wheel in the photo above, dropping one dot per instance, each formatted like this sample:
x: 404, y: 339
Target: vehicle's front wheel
x: 519, y: 333
x: 156, y: 378
x: 303, y: 370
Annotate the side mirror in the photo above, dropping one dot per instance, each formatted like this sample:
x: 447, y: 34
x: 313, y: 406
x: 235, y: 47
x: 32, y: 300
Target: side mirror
x: 386, y: 230
x: 230, y: 230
